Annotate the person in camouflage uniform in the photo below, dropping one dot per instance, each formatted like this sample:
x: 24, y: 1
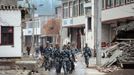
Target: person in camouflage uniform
x: 72, y: 58
x: 74, y: 51
x: 57, y: 59
x: 66, y: 60
x: 87, y: 54
x: 47, y: 57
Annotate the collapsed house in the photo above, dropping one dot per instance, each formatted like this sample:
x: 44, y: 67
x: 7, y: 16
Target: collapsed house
x: 123, y: 51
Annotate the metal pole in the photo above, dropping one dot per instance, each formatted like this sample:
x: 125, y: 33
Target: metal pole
x: 97, y: 24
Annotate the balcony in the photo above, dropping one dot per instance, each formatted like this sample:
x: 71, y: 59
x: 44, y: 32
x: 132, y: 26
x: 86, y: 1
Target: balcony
x: 120, y: 12
x: 32, y: 31
x: 32, y: 27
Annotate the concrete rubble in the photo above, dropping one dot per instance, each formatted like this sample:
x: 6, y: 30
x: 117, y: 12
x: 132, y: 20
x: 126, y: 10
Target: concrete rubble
x: 14, y: 72
x: 22, y: 66
x: 119, y: 54
x: 128, y: 52
x: 108, y: 69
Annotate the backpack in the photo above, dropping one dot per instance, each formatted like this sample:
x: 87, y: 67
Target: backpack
x: 87, y: 52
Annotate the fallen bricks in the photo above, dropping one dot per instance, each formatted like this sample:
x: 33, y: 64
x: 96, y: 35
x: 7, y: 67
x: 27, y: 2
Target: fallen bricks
x: 108, y: 69
x: 122, y: 52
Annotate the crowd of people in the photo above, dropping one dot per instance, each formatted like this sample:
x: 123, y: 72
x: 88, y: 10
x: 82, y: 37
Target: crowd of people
x: 55, y: 57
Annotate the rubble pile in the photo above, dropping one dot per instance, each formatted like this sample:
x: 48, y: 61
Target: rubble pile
x: 108, y: 69
x: 122, y: 52
x: 127, y: 52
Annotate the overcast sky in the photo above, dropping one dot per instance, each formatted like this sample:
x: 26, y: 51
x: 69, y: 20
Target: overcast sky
x: 45, y: 7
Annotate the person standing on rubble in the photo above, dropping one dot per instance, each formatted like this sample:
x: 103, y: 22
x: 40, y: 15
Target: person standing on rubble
x: 87, y: 54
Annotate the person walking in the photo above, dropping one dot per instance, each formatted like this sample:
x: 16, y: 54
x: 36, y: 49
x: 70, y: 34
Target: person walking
x: 66, y: 60
x: 28, y: 50
x: 72, y: 59
x: 57, y: 59
x: 41, y: 49
x: 74, y: 51
x: 47, y: 56
x: 87, y: 54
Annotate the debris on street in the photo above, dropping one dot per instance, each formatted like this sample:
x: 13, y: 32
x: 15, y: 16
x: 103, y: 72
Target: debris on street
x: 128, y: 52
x: 121, y: 53
x: 113, y: 58
x: 108, y: 69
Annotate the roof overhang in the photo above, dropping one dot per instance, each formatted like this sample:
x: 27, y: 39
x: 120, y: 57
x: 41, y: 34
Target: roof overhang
x: 49, y: 35
x: 74, y: 26
x: 118, y: 20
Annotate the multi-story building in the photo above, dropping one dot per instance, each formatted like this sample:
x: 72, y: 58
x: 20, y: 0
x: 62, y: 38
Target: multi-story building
x: 76, y: 22
x: 43, y: 10
x: 33, y: 29
x: 117, y: 15
x: 10, y: 29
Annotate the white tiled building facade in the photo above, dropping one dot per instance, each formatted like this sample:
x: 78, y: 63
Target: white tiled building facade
x: 10, y: 34
x: 76, y: 26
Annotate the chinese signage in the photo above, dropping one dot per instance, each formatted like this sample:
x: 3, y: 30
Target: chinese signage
x: 67, y: 22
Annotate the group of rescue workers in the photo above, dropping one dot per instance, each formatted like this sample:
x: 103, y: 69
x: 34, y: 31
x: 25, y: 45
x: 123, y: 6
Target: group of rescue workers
x: 57, y: 58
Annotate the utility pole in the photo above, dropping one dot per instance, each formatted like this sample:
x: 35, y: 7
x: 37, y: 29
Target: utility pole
x: 32, y: 17
x: 97, y: 9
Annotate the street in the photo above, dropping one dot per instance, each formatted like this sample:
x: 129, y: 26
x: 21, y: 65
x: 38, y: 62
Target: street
x: 80, y: 69
x: 123, y: 72
x: 36, y: 35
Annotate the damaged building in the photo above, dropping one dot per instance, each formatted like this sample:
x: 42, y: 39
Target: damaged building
x: 115, y: 26
x: 117, y: 31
